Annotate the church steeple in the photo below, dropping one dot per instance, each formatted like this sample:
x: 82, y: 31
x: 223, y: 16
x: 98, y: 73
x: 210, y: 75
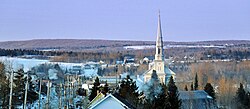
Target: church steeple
x: 159, y: 43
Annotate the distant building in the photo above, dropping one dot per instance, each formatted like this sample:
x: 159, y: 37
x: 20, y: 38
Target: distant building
x: 147, y: 60
x: 76, y: 68
x: 197, y: 99
x: 129, y: 59
x: 163, y: 72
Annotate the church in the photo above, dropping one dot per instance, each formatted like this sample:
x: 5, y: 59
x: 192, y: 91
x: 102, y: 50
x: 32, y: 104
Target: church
x: 159, y: 65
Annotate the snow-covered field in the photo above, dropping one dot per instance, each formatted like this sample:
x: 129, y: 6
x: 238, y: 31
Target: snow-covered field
x: 17, y: 63
x: 139, y: 47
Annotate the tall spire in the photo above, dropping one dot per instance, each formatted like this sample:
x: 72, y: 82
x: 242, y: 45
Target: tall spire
x: 159, y: 34
x: 159, y: 42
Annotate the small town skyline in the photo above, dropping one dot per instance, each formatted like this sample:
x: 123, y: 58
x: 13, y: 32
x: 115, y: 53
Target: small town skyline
x: 124, y: 20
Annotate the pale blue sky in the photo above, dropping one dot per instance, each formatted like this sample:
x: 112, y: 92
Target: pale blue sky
x: 182, y: 20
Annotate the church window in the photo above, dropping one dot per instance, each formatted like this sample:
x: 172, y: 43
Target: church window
x: 159, y: 50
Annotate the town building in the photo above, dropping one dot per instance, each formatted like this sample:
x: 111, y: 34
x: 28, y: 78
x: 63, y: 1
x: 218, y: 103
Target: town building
x: 197, y: 99
x: 111, y: 101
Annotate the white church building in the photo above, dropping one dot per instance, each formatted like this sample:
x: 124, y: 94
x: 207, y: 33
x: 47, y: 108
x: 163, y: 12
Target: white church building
x: 158, y: 65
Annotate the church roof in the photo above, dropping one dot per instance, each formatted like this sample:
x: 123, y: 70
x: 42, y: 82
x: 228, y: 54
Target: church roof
x: 169, y: 71
x: 150, y: 71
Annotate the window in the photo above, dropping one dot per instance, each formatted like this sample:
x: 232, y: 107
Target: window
x: 159, y: 50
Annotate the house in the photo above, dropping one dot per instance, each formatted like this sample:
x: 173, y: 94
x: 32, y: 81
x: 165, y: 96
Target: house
x: 112, y: 101
x: 197, y: 99
x: 99, y: 97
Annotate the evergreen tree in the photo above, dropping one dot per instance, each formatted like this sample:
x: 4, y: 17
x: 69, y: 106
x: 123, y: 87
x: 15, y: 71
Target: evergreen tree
x: 94, y: 89
x: 123, y: 89
x: 4, y: 86
x: 192, y: 87
x: 247, y: 100
x: 156, y: 94
x: 240, y: 94
x: 196, y: 82
x: 210, y: 90
x: 152, y: 88
x: 173, y: 94
x: 128, y: 90
x: 162, y: 100
x: 19, y: 82
x: 105, y: 89
x: 97, y: 82
x: 242, y: 98
x: 81, y: 92
x: 186, y: 89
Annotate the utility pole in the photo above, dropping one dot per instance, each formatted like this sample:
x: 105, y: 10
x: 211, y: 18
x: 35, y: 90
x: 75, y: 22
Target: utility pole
x: 64, y: 94
x: 67, y: 92
x: 26, y: 91
x: 11, y: 88
x: 48, y: 95
x: 70, y: 93
x: 40, y: 88
x: 116, y: 71
x: 60, y: 96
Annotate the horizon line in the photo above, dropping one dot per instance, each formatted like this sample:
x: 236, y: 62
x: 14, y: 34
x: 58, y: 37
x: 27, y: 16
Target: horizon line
x: 125, y: 40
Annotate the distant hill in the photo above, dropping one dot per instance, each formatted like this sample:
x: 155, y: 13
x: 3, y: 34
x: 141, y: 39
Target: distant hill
x: 90, y: 44
x: 68, y: 44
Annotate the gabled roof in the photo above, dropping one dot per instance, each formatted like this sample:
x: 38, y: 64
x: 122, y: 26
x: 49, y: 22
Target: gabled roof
x: 197, y: 99
x: 169, y: 71
x: 96, y: 99
x: 197, y: 94
x: 117, y: 98
x: 150, y: 71
x: 130, y: 106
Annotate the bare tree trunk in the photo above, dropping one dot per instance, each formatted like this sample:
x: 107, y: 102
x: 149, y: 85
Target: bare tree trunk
x: 11, y: 86
x: 26, y: 91
x: 40, y: 88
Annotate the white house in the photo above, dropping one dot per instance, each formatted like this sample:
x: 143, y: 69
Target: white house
x: 112, y: 101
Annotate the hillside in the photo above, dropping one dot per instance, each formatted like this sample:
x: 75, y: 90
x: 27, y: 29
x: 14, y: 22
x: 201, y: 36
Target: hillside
x: 43, y: 44
x: 92, y: 44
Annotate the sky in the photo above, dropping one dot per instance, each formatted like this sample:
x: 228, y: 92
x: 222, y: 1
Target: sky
x: 182, y: 20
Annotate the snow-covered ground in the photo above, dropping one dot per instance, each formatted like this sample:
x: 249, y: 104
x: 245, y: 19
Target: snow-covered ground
x: 26, y: 64
x: 139, y: 47
x: 170, y: 46
x: 17, y: 63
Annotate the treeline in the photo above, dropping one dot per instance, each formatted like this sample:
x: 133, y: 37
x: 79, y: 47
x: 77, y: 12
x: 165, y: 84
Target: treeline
x: 111, y: 57
x: 236, y: 54
x: 89, y: 56
x: 21, y: 52
x: 66, y: 56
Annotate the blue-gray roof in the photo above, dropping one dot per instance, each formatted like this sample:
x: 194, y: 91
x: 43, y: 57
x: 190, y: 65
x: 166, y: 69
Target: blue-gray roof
x: 197, y: 94
x: 197, y: 99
